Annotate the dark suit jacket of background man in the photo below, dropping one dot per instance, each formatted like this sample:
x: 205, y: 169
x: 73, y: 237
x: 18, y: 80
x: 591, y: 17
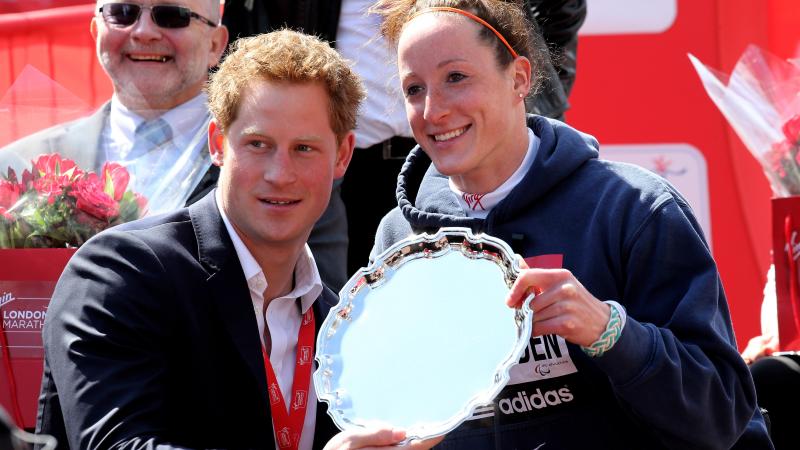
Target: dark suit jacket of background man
x: 79, y: 140
x: 152, y: 326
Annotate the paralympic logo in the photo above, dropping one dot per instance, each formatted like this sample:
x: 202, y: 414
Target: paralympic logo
x: 542, y: 370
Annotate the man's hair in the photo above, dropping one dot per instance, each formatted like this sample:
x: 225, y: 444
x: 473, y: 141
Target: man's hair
x: 285, y: 56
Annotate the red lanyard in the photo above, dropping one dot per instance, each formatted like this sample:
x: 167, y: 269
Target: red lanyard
x: 288, y: 424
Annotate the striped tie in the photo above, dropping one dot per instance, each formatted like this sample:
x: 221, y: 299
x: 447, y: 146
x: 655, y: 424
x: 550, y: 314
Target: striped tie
x: 149, y: 135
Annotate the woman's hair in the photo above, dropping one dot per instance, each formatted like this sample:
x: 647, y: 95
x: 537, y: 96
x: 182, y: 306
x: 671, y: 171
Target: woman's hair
x: 507, y: 17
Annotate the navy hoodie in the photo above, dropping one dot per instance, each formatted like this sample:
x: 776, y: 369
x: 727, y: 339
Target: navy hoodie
x: 674, y: 379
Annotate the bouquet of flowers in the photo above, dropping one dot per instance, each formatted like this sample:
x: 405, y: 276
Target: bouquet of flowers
x: 56, y: 204
x: 761, y: 101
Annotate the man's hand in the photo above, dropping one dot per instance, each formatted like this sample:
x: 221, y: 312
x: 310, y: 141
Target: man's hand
x: 759, y: 347
x: 562, y: 305
x: 377, y: 438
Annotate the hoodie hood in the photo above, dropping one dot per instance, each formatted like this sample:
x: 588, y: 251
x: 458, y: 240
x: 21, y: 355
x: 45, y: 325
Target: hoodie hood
x: 427, y: 203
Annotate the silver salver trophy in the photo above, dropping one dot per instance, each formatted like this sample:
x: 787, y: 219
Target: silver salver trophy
x: 422, y: 337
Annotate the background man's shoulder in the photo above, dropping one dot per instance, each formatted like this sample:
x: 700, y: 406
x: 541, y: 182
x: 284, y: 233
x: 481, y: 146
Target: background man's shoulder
x: 80, y: 135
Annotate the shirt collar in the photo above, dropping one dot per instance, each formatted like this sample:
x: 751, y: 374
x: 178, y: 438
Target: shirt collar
x: 187, y: 120
x: 480, y: 205
x: 307, y: 282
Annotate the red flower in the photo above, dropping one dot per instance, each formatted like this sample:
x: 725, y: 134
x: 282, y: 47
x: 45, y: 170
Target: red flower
x: 51, y: 174
x: 776, y: 157
x: 6, y: 215
x: 27, y: 179
x: 9, y: 193
x: 141, y: 202
x: 59, y: 205
x: 50, y: 186
x: 92, y: 199
x: 115, y: 179
x: 12, y: 175
x: 791, y: 129
x: 53, y: 164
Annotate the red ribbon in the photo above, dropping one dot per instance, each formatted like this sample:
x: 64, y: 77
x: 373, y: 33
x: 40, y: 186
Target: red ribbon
x: 12, y: 384
x: 793, y: 282
x: 288, y: 423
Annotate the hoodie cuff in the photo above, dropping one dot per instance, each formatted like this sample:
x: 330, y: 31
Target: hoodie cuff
x: 629, y: 357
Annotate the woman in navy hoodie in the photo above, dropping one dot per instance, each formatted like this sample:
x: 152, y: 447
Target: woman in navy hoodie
x: 632, y: 345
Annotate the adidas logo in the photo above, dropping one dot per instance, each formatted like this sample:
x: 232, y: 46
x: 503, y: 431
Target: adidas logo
x: 538, y: 400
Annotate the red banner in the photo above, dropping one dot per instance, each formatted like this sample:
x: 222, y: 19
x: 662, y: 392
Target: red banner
x: 27, y: 280
x: 785, y: 254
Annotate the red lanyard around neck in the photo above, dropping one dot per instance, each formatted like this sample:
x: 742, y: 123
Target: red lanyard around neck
x: 288, y: 423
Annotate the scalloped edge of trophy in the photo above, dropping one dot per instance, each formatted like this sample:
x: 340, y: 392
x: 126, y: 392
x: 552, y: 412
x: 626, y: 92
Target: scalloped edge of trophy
x: 375, y: 275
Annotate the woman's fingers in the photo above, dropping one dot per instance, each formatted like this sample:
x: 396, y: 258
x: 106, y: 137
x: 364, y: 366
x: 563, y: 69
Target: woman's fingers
x: 423, y: 445
x: 366, y: 438
x: 536, y: 281
x: 374, y: 438
x: 562, y: 305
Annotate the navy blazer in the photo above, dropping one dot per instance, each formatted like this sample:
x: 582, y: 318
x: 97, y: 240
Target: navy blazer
x: 150, y: 339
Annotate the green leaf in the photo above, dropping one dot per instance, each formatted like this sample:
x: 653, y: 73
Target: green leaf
x: 108, y: 185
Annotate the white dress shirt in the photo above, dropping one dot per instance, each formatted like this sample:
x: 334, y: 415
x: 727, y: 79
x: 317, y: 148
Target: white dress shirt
x: 383, y: 114
x: 283, y: 318
x: 164, y: 170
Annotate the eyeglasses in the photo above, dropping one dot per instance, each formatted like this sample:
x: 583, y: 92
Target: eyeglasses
x: 165, y: 16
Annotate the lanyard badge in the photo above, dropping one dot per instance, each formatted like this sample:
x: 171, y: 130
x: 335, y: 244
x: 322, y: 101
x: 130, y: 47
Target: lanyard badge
x: 288, y: 422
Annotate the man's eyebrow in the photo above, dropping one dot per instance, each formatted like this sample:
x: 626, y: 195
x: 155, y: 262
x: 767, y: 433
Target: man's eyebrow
x: 255, y: 131
x: 308, y: 138
x: 252, y: 131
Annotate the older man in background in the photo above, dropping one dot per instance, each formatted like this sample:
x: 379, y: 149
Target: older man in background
x: 157, y: 54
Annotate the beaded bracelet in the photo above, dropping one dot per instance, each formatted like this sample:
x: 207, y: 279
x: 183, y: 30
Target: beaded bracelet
x: 610, y: 336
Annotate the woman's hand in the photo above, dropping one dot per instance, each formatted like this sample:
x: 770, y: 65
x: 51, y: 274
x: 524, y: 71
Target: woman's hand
x: 562, y: 305
x: 377, y: 438
x: 759, y: 347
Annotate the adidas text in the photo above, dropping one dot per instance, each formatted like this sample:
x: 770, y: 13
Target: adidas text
x: 538, y: 400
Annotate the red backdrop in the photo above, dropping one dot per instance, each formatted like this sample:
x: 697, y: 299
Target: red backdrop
x: 630, y: 89
x: 634, y: 89
x: 57, y: 43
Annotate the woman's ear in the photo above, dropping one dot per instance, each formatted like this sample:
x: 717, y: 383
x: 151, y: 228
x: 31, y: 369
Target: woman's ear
x: 522, y: 76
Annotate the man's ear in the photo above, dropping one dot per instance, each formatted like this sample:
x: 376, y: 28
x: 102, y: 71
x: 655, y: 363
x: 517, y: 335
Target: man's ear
x: 219, y: 41
x: 93, y: 28
x: 344, y: 154
x: 522, y: 76
x: 216, y: 143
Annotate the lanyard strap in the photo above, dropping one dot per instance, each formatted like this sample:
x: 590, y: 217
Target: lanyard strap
x: 288, y: 422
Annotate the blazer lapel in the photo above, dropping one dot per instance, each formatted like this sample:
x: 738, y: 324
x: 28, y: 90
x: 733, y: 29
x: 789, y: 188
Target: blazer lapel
x: 206, y: 184
x: 231, y: 297
x: 227, y: 285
